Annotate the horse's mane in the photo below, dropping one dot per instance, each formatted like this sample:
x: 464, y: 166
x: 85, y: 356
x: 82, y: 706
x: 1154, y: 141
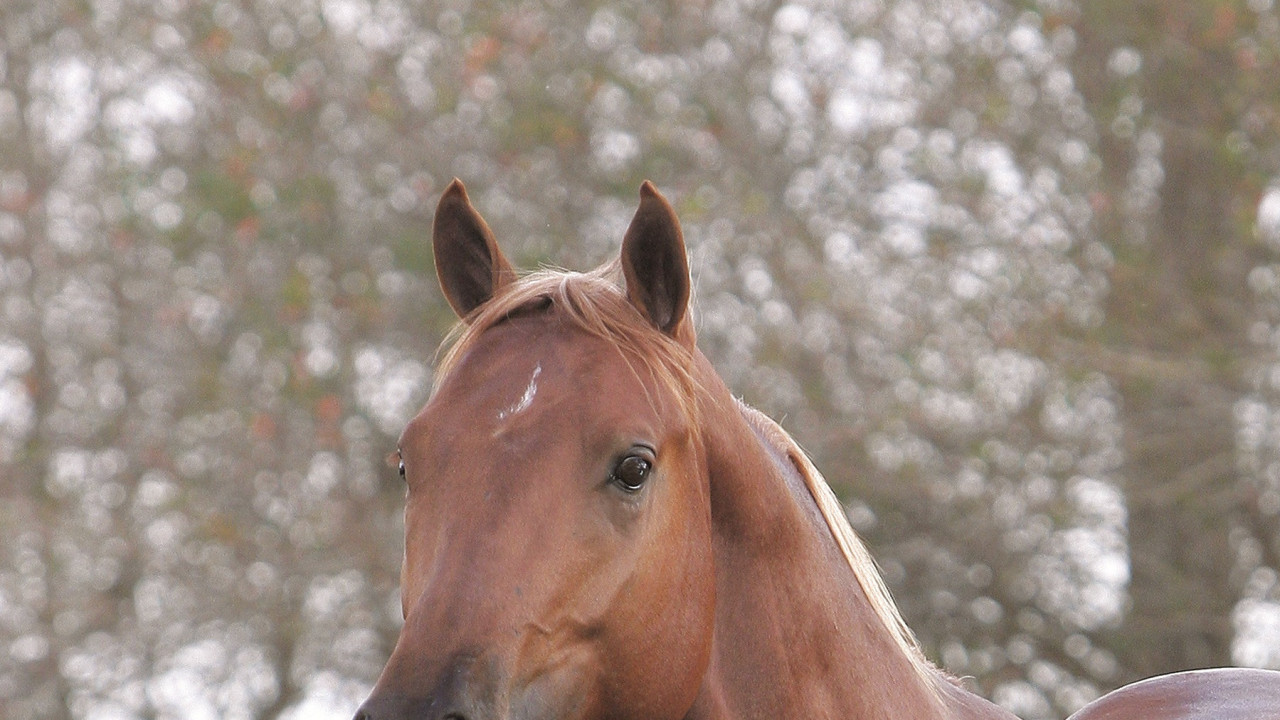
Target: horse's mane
x: 595, y: 303
x: 851, y: 546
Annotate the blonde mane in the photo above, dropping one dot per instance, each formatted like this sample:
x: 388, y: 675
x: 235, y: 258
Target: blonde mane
x: 851, y: 546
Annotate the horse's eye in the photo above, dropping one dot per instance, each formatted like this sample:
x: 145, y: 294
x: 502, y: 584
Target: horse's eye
x: 631, y: 473
x: 401, y: 468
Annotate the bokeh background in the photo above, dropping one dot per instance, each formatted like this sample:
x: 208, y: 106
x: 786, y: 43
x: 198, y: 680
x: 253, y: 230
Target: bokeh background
x: 1009, y: 270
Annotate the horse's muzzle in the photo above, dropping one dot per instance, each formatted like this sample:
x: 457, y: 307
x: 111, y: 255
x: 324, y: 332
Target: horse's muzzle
x: 465, y: 690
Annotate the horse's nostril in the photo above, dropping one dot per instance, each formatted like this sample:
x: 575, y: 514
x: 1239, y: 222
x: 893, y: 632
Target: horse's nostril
x: 395, y: 708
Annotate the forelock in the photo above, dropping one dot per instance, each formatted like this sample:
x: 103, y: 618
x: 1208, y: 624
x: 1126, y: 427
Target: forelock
x: 595, y: 303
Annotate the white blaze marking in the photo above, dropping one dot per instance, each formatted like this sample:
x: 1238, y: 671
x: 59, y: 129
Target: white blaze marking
x: 526, y: 399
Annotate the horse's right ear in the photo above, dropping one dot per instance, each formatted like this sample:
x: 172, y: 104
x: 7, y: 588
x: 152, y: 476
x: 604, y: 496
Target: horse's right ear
x: 469, y: 264
x: 655, y: 266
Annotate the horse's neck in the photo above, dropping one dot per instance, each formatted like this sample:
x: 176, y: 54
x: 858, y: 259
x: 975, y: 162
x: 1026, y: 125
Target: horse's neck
x: 795, y: 633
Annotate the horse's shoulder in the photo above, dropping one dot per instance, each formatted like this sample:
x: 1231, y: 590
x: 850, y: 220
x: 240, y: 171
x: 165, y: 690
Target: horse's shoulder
x: 1219, y: 694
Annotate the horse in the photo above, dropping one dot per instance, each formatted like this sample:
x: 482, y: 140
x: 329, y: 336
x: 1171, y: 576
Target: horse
x: 596, y: 528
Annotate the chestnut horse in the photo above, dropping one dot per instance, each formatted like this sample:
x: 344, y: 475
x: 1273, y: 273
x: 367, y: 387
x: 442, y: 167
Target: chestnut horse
x: 596, y: 528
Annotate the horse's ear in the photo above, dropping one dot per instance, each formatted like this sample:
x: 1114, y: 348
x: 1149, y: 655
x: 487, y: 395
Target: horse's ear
x: 655, y: 265
x: 469, y: 264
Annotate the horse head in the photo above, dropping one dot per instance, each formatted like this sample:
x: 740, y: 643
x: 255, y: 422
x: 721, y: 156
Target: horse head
x: 557, y: 557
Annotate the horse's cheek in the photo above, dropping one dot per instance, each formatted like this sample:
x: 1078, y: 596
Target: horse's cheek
x: 678, y: 617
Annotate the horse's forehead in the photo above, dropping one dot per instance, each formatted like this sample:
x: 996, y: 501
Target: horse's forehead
x: 535, y: 352
x: 530, y: 369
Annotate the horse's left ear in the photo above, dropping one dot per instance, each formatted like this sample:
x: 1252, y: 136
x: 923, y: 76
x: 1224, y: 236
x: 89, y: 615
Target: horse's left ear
x: 655, y: 265
x: 469, y: 263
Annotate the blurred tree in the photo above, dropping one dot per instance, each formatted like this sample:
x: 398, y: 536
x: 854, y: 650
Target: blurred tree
x: 1185, y: 163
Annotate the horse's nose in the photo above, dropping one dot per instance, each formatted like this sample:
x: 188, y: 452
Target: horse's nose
x: 394, y: 707
x: 385, y: 707
x: 464, y: 691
